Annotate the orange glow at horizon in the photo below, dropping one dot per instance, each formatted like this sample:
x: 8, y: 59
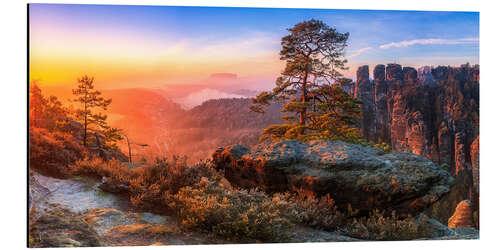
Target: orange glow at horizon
x: 59, y: 56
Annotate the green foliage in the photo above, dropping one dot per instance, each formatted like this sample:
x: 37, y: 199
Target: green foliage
x: 384, y: 146
x: 445, y: 166
x: 315, y: 105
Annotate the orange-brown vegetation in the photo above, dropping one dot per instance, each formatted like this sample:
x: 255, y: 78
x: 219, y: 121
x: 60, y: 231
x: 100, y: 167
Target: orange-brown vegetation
x: 52, y: 152
x: 198, y: 196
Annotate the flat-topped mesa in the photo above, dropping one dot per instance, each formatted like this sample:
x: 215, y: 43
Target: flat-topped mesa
x: 364, y: 177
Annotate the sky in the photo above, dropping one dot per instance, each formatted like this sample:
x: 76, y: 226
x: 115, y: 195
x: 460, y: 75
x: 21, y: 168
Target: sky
x: 154, y: 46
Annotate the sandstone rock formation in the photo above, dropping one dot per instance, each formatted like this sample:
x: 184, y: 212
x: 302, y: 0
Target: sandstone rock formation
x: 462, y: 216
x: 365, y: 177
x: 433, y: 112
x: 364, y: 91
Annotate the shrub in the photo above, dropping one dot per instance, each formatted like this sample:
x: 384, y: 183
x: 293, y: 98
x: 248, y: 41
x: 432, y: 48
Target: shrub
x: 202, y: 202
x: 96, y: 167
x: 147, y: 184
x: 236, y: 215
x: 378, y: 227
x: 51, y: 153
x: 315, y: 212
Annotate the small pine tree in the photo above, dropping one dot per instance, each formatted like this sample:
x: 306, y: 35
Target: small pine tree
x: 90, y: 100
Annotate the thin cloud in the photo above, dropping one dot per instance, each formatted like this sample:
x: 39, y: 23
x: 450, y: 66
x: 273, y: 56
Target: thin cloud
x: 432, y: 41
x: 359, y: 52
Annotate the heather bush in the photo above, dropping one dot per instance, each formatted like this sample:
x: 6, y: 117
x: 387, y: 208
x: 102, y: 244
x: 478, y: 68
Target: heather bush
x: 147, y: 184
x: 202, y: 202
x: 51, y: 153
x: 315, y: 212
x: 378, y: 227
x: 235, y: 215
x: 96, y: 167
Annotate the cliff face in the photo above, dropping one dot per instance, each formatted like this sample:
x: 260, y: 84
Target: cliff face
x: 435, y: 117
x: 433, y: 112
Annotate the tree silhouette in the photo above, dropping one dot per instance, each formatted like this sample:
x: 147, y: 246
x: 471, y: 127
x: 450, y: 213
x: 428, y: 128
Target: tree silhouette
x: 309, y: 85
x: 90, y: 100
x: 45, y: 112
x: 37, y: 104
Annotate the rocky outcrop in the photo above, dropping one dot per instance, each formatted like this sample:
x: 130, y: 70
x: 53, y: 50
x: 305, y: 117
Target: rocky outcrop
x: 363, y: 90
x: 424, y: 75
x: 59, y: 227
x: 410, y: 75
x: 382, y: 124
x: 364, y: 177
x: 462, y: 216
x: 432, y: 112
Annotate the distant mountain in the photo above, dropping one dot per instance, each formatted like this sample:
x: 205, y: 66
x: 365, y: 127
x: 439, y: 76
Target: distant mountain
x: 148, y: 116
x: 217, y: 123
x: 229, y: 114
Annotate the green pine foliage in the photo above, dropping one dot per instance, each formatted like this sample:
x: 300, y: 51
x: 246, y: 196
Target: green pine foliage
x: 310, y: 87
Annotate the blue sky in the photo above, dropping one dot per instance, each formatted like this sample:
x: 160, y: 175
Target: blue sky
x: 245, y: 41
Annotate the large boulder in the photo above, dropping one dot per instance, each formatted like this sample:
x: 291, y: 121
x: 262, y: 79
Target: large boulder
x: 365, y: 177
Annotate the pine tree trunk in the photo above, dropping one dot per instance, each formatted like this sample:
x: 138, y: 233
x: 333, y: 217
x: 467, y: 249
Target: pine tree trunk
x: 85, y: 132
x: 302, y: 118
x: 85, y: 122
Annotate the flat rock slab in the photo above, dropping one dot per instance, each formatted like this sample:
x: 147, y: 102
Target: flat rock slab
x: 367, y: 178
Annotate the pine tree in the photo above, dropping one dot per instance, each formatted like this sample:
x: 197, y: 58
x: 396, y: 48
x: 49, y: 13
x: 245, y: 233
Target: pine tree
x: 90, y: 100
x: 315, y: 106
